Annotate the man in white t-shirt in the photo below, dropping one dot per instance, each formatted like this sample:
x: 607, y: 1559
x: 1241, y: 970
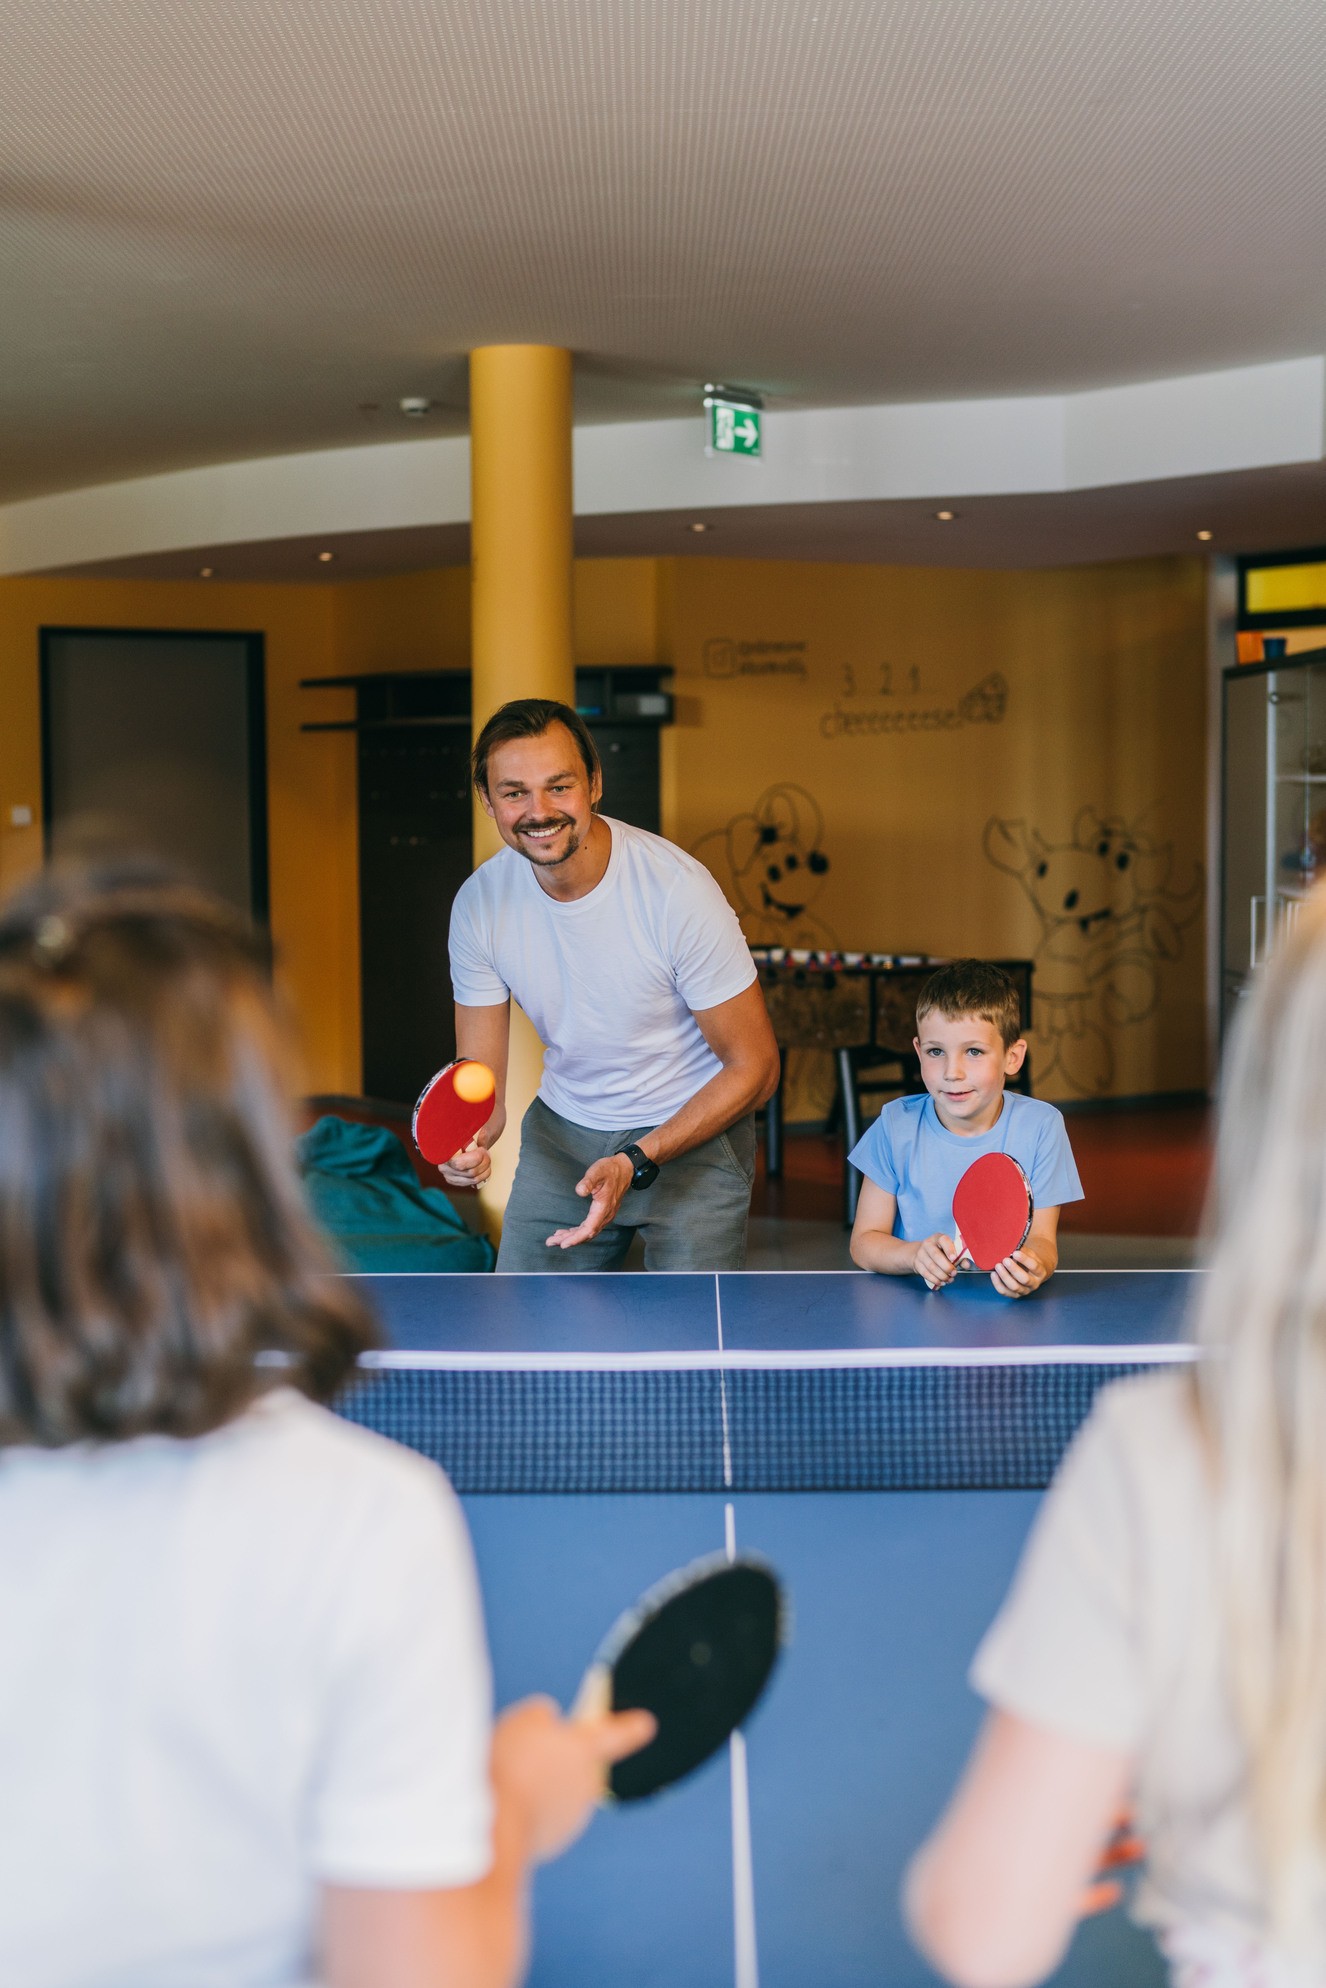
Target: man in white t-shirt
x: 630, y: 963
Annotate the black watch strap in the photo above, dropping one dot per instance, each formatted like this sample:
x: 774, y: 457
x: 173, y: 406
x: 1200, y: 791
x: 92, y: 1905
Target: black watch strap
x: 644, y: 1171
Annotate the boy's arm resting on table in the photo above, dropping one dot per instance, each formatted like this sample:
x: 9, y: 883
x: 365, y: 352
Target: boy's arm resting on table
x: 1028, y: 1268
x: 992, y: 1899
x: 548, y: 1776
x: 875, y: 1247
x: 485, y: 1035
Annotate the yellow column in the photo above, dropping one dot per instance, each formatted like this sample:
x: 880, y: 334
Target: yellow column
x: 521, y: 518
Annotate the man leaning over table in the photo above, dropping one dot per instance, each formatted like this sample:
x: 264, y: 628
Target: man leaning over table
x: 632, y: 967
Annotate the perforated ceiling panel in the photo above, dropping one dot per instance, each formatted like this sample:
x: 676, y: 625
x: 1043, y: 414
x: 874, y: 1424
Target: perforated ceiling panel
x: 225, y: 225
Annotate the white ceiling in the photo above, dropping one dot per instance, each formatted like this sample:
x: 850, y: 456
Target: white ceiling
x: 232, y: 228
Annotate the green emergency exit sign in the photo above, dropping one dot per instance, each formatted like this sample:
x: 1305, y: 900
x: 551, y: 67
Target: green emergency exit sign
x: 734, y: 424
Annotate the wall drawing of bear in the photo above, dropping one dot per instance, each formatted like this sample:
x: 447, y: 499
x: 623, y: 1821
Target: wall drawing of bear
x: 771, y: 864
x: 1110, y: 923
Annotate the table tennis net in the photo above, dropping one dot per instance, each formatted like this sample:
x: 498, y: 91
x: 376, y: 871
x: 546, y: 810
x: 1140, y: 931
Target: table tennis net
x: 509, y: 1430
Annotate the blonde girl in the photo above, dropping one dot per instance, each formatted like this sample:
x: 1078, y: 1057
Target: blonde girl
x: 1165, y: 1638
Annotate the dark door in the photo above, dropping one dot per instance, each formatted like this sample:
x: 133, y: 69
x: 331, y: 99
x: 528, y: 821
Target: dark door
x: 154, y: 742
x: 630, y: 772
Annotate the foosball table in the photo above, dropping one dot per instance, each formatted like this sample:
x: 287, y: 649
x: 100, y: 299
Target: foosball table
x: 861, y: 1008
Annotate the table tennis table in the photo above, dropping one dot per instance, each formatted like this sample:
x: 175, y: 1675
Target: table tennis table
x: 885, y: 1447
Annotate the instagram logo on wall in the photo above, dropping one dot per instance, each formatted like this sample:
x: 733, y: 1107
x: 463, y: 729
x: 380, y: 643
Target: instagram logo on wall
x: 720, y: 656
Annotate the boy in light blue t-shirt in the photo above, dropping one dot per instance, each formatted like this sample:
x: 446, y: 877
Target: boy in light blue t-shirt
x: 916, y: 1152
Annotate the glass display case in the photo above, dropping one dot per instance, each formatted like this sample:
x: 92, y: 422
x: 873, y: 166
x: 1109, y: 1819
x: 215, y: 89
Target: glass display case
x: 1273, y: 842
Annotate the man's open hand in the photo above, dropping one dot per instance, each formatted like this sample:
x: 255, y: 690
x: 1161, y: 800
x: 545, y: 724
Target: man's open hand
x: 604, y: 1185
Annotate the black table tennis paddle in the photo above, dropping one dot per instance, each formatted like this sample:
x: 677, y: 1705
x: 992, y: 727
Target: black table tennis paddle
x: 697, y: 1651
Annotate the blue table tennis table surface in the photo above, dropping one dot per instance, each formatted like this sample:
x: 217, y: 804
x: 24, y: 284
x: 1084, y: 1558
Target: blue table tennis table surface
x: 778, y: 1865
x: 752, y: 1312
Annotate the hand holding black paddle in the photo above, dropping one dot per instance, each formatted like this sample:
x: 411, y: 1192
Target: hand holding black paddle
x: 670, y: 1683
x: 548, y: 1772
x: 696, y: 1652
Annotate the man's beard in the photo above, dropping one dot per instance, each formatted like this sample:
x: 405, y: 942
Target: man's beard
x: 535, y: 856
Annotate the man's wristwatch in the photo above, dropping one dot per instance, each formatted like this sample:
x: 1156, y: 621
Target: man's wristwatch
x: 644, y: 1171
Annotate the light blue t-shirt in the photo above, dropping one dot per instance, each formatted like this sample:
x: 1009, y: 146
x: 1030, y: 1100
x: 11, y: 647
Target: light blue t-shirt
x: 910, y: 1154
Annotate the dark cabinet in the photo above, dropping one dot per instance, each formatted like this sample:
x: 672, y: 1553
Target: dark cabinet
x: 1273, y: 814
x: 415, y: 847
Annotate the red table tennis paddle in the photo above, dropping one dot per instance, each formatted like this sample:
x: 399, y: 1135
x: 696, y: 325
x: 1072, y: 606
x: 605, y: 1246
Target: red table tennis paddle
x: 453, y: 1106
x: 992, y: 1208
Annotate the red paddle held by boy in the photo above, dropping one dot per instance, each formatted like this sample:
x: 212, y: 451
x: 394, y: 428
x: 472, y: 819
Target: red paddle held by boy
x: 992, y: 1212
x: 453, y: 1108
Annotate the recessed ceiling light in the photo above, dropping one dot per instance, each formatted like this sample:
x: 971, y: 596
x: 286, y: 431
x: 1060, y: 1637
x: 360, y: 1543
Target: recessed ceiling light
x: 326, y: 557
x: 1205, y: 535
x: 204, y: 572
x: 698, y: 526
x: 946, y: 517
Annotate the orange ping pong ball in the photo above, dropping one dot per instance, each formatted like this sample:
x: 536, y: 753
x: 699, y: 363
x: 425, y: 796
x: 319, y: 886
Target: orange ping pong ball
x: 473, y: 1082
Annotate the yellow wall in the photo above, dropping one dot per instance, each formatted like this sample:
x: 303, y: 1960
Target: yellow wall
x: 780, y: 680
x: 1086, y: 691
x: 411, y: 621
x: 615, y: 611
x: 310, y: 791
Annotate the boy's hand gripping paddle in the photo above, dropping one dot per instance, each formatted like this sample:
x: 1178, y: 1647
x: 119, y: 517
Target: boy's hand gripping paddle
x: 992, y: 1208
x: 696, y: 1651
x: 453, y: 1106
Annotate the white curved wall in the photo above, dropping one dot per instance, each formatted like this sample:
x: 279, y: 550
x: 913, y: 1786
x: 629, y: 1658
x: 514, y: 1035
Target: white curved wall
x: 1252, y: 417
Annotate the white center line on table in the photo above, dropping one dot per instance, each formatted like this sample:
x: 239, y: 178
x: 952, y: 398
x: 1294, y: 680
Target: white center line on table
x: 746, y: 1959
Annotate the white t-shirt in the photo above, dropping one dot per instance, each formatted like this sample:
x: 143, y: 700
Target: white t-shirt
x: 611, y: 980
x: 230, y: 1668
x: 1113, y: 1633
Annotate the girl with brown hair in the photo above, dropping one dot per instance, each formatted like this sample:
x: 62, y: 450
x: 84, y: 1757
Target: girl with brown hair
x: 244, y: 1695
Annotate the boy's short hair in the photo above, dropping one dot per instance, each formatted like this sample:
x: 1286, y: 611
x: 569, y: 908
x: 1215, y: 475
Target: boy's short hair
x: 973, y: 987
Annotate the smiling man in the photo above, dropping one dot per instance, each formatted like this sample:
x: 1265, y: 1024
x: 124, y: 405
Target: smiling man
x: 630, y: 963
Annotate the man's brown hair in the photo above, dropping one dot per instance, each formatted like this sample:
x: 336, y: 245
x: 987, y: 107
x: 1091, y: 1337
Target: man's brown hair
x: 157, y: 1267
x: 530, y: 718
x: 972, y: 987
